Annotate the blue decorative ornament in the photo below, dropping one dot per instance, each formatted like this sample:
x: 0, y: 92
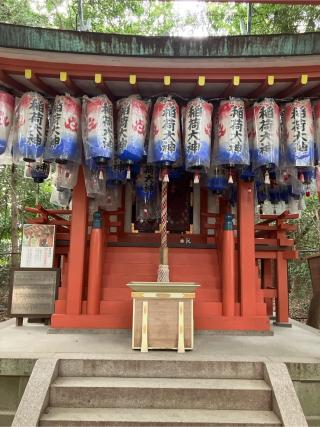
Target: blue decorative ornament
x: 217, y: 183
x: 40, y: 172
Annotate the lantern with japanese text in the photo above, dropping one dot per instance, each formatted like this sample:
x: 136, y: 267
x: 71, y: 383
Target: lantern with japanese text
x: 30, y: 127
x: 266, y: 133
x: 197, y: 135
x: 132, y: 127
x: 98, y: 135
x: 165, y: 135
x: 6, y: 117
x: 64, y: 144
x: 231, y: 146
x: 39, y: 172
x: 299, y: 133
x: 116, y: 173
x: 147, y: 202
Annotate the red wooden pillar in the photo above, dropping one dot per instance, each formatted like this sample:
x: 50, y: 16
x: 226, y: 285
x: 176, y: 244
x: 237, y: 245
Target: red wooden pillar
x: 95, y: 265
x: 267, y: 282
x: 77, y: 250
x: 246, y: 248
x: 228, y: 267
x: 282, y: 290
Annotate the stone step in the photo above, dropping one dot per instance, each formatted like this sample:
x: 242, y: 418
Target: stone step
x: 160, y: 368
x: 161, y: 393
x: 155, y: 417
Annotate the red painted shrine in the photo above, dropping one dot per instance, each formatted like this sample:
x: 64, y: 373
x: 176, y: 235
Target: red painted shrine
x: 242, y: 272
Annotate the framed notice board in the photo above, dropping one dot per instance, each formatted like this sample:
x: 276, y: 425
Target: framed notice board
x: 33, y: 292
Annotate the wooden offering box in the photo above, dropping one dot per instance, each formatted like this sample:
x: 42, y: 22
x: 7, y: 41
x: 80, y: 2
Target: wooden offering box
x: 162, y: 315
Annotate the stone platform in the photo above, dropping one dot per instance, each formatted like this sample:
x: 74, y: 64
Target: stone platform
x: 95, y: 379
x: 299, y: 343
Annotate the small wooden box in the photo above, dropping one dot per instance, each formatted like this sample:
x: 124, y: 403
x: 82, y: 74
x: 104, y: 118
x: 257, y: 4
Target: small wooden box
x: 162, y: 315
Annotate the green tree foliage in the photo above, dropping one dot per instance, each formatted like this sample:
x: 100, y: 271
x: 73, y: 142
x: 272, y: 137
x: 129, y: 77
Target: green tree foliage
x: 266, y: 18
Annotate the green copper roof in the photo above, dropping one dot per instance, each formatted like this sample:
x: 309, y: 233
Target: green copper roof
x: 14, y: 36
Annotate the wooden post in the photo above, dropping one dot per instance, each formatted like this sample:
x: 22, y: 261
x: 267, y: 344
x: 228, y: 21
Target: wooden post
x: 228, y: 267
x: 95, y: 265
x: 282, y: 289
x: 246, y: 248
x: 196, y: 208
x: 266, y: 275
x: 78, y: 241
x: 128, y: 207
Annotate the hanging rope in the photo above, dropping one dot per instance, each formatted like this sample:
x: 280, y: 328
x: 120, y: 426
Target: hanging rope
x: 163, y: 270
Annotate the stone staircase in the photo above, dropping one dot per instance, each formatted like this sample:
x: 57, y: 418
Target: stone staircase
x: 146, y: 392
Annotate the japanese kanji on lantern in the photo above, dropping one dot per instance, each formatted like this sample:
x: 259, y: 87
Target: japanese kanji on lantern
x: 132, y: 125
x: 98, y: 134
x: 299, y: 133
x: 64, y: 142
x: 147, y: 200
x: 197, y: 135
x: 231, y: 146
x: 30, y: 127
x: 165, y: 135
x: 266, y: 133
x: 6, y: 118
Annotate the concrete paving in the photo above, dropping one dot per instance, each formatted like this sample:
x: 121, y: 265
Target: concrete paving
x: 296, y: 344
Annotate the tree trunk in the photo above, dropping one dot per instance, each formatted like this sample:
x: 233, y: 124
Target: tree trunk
x: 14, y: 219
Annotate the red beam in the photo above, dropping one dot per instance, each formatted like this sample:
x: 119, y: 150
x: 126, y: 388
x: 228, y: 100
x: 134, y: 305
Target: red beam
x: 9, y: 81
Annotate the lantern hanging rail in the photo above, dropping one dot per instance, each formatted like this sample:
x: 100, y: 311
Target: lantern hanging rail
x: 44, y: 214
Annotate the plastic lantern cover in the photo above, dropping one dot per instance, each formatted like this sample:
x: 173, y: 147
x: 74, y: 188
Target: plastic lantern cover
x: 30, y: 124
x: 197, y: 135
x: 6, y: 117
x: 39, y: 171
x: 132, y: 126
x: 165, y: 135
x: 93, y: 182
x: 147, y: 202
x: 65, y: 175
x: 116, y: 173
x: 231, y: 143
x: 64, y: 134
x: 61, y: 198
x: 98, y: 133
x: 299, y: 133
x: 266, y: 140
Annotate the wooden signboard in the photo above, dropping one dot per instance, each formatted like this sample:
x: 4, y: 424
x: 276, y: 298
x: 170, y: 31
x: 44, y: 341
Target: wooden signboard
x: 33, y: 292
x: 162, y: 315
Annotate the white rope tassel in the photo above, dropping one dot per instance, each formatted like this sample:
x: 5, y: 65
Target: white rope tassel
x: 302, y: 178
x: 230, y: 179
x: 196, y: 178
x: 163, y: 273
x: 101, y: 174
x: 267, y: 178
